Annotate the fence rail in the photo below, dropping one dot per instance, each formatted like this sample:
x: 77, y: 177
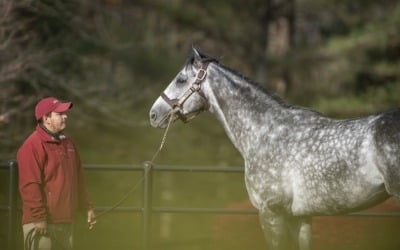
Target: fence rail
x: 147, y: 209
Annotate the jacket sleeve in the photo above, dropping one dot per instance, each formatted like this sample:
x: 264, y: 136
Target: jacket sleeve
x: 31, y: 158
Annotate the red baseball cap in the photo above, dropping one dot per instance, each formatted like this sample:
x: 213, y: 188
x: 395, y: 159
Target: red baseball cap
x: 50, y: 104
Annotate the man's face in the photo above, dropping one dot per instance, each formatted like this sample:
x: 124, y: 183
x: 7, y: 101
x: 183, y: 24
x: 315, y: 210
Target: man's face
x: 55, y: 122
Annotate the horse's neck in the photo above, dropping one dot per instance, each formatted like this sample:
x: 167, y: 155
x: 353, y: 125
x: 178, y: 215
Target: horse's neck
x: 245, y: 111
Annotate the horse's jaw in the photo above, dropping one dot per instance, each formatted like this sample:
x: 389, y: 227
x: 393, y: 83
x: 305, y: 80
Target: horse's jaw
x: 157, y: 125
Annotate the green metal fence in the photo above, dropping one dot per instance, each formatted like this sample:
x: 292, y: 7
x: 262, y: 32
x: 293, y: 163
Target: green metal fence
x: 147, y: 208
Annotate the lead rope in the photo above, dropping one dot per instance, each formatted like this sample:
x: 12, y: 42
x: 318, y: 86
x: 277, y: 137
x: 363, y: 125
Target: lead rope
x: 31, y: 240
x: 171, y: 118
x: 163, y: 140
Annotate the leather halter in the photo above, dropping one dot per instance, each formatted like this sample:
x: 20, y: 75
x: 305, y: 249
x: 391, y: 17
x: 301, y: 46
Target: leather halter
x: 177, y: 104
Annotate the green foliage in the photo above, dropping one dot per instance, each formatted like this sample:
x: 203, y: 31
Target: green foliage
x: 113, y: 58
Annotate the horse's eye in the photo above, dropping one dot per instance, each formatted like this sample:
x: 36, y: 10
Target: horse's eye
x: 181, y: 79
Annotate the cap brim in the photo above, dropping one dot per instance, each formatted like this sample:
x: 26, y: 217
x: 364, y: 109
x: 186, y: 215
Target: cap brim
x: 63, y: 106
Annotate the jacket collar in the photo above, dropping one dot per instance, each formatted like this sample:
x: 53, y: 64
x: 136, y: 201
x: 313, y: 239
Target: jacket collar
x: 46, y: 135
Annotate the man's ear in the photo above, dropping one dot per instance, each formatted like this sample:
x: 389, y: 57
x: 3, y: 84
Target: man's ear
x: 45, y: 117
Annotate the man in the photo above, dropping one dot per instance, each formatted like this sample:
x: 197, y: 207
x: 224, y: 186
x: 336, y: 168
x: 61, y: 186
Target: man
x: 51, y: 180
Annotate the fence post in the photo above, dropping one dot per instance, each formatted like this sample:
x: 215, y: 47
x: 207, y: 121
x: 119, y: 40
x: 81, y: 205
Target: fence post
x: 12, y: 204
x: 147, y: 204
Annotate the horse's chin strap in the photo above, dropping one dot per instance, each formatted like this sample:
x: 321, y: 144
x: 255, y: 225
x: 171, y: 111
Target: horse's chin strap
x: 177, y: 104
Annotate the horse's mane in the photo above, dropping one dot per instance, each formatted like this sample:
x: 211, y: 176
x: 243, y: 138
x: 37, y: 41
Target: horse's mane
x: 258, y: 86
x: 246, y: 79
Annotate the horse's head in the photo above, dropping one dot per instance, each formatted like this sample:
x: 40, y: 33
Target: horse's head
x: 183, y: 98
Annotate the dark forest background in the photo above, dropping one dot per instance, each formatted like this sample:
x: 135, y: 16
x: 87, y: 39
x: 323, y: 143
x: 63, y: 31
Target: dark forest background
x: 112, y: 58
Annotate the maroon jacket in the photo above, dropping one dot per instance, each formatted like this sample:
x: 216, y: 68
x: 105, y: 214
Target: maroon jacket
x: 51, y: 180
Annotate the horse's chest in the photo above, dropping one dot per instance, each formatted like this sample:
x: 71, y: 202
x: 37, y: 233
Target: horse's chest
x: 266, y: 188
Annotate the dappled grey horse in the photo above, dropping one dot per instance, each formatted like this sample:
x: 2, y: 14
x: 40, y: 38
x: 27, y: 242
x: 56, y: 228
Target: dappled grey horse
x: 298, y: 162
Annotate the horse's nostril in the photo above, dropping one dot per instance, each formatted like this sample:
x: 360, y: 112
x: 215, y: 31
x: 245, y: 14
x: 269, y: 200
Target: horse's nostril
x: 153, y: 116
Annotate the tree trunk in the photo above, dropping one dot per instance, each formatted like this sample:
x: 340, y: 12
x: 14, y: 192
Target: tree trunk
x: 277, y: 39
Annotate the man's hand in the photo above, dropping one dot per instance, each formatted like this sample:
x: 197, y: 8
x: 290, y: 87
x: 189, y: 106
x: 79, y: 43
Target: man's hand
x: 41, y: 227
x: 91, y: 218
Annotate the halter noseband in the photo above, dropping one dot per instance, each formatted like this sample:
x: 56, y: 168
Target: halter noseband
x: 177, y: 104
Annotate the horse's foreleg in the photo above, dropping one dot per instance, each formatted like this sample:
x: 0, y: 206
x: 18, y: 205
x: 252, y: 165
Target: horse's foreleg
x: 302, y: 232
x: 276, y: 233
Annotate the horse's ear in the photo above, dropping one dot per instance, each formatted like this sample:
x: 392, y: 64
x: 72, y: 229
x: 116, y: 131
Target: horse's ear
x: 196, y: 54
x: 199, y: 57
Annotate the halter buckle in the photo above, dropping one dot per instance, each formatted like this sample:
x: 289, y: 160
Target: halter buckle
x: 195, y: 87
x: 201, y: 75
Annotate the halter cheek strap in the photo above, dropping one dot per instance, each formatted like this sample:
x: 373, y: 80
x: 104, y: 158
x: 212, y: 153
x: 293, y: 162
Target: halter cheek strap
x: 177, y: 104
